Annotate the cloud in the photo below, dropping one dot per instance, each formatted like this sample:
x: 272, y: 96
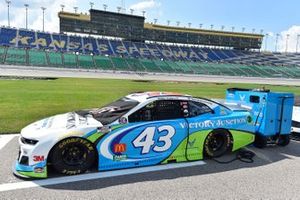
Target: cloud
x: 145, y: 5
x: 35, y: 17
x: 288, y: 39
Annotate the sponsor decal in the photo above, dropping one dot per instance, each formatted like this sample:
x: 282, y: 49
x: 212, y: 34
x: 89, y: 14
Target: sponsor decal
x: 123, y: 120
x: 249, y: 119
x: 191, y: 144
x: 38, y: 158
x: 215, y: 123
x: 223, y: 111
x: 242, y: 97
x: 120, y: 157
x: 119, y: 148
x: 39, y: 170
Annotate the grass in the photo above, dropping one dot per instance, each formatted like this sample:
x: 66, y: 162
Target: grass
x: 25, y: 101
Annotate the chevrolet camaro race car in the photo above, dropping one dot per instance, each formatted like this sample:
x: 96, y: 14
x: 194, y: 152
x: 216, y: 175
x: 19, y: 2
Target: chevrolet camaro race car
x: 141, y: 129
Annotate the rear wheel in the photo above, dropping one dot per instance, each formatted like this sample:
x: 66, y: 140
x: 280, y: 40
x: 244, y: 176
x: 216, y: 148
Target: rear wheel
x: 73, y: 156
x: 217, y: 143
x: 284, y: 140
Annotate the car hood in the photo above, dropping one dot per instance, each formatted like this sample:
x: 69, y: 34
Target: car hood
x: 63, y: 123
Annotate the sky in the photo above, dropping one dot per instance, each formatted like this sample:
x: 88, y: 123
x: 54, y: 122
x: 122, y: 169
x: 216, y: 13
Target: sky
x: 278, y: 19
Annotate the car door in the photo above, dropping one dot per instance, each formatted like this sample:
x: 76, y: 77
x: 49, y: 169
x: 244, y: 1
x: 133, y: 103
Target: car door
x: 153, y: 135
x: 199, y: 123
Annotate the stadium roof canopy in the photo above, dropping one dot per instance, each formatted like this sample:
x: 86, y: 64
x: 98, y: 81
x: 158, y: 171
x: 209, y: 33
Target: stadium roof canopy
x: 134, y: 28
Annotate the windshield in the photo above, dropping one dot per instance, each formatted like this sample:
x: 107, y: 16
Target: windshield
x: 110, y: 112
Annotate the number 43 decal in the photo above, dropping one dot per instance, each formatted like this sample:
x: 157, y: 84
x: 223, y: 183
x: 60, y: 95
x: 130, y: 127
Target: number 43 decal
x: 145, y: 139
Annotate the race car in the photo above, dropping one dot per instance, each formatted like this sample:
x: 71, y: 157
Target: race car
x: 142, y: 129
x: 296, y: 117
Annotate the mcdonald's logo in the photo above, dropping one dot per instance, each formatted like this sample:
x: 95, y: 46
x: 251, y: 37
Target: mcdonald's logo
x: 119, y: 148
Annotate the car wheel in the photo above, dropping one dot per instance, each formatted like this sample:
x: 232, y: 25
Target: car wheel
x: 73, y: 156
x: 284, y: 140
x: 217, y: 143
x: 260, y: 141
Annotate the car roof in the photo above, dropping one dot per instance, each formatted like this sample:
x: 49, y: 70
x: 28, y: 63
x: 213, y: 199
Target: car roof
x: 144, y: 96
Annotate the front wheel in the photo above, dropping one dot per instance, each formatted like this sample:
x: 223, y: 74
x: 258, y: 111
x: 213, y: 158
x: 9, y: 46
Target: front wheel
x: 73, y: 156
x: 217, y: 143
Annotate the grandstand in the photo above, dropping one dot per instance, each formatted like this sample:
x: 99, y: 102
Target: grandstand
x: 34, y: 48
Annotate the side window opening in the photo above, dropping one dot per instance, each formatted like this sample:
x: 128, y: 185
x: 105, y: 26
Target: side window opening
x: 198, y: 108
x: 158, y: 110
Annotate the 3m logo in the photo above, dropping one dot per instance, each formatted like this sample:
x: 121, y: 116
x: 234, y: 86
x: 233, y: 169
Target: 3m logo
x: 119, y: 148
x: 38, y: 158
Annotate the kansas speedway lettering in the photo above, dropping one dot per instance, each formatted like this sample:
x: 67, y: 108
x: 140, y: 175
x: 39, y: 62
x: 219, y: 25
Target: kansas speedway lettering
x: 214, y: 123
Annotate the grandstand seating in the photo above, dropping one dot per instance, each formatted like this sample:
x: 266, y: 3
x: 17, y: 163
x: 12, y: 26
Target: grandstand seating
x: 25, y: 47
x: 37, y: 58
x: 16, y: 56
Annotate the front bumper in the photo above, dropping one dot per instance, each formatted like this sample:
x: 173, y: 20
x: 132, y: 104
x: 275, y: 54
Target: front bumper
x: 35, y: 171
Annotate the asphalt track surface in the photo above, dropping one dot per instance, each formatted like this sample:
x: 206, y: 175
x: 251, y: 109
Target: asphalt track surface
x: 274, y: 174
x: 27, y: 71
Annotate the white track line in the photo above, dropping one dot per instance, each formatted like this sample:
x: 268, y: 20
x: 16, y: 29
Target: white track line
x: 91, y: 176
x: 4, y: 139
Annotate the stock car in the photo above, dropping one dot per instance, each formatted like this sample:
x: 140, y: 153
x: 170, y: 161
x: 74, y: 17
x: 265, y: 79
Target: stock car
x: 140, y: 129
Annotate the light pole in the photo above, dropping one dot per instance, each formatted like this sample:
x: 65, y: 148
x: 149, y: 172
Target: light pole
x: 168, y: 22
x: 75, y: 9
x: 253, y: 30
x: 143, y: 12
x: 222, y: 27
x: 178, y: 23
x: 155, y: 21
x: 62, y: 7
x: 131, y: 11
x: 243, y: 29
x: 190, y: 24
x: 276, y: 42
x: 43, y: 9
x: 119, y: 9
x: 26, y: 15
x: 266, y: 43
x: 287, y: 43
x: 211, y: 27
x: 8, y: 4
x: 232, y: 29
x: 297, y: 44
x: 104, y: 7
x: 261, y: 31
x: 91, y: 4
x: 200, y: 26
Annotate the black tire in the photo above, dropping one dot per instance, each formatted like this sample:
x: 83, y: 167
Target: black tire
x: 217, y: 143
x: 73, y: 156
x: 260, y: 141
x: 284, y: 140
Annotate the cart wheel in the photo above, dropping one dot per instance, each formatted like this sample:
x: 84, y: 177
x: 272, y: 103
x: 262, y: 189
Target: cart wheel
x: 217, y: 143
x: 260, y: 141
x: 284, y: 140
x: 73, y: 156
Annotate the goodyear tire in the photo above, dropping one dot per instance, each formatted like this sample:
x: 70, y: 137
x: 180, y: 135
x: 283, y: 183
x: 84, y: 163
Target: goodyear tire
x: 284, y: 140
x: 217, y: 143
x: 73, y: 156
